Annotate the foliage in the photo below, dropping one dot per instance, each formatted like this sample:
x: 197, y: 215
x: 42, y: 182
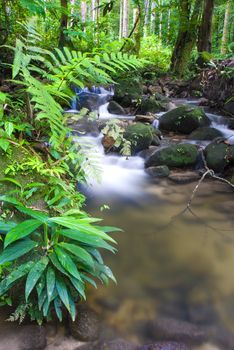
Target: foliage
x: 52, y: 257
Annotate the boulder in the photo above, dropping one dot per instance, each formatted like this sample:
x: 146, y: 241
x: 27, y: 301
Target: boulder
x: 229, y: 106
x: 180, y: 155
x: 128, y: 89
x: 86, y: 126
x: 140, y: 136
x: 150, y: 105
x: 86, y: 327
x: 114, y: 108
x: 117, y: 344
x: 90, y: 100
x: 158, y: 171
x: 169, y: 329
x: 183, y: 119
x: 156, y: 141
x: 166, y: 346
x: 205, y: 133
x: 219, y: 155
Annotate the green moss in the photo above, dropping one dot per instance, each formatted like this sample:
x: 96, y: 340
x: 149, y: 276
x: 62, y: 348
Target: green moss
x: 140, y: 136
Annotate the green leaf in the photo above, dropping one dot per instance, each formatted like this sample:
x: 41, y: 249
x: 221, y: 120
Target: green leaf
x: 67, y: 262
x: 6, y: 226
x: 80, y: 253
x: 4, y: 144
x: 15, y: 182
x: 21, y: 230
x: 91, y: 240
x: 79, y: 286
x: 58, y: 310
x: 53, y: 258
x: 36, y: 214
x: 72, y: 309
x: 62, y: 292
x: 77, y: 224
x: 9, y: 127
x: 17, y: 250
x: 34, y: 275
x: 14, y: 276
x: 50, y: 282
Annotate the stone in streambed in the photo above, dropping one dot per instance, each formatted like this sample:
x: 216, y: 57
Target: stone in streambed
x: 115, y: 108
x: 180, y: 155
x: 166, y: 346
x: 158, y: 171
x: 184, y: 119
x: 140, y: 136
x: 205, y: 133
x: 86, y: 327
x: 144, y: 118
x: 117, y: 344
x: 184, y: 177
x: 219, y: 155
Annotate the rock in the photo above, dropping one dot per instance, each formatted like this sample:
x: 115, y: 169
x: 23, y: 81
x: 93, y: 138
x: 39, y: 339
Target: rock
x: 150, y: 105
x: 128, y: 89
x: 108, y: 142
x: 184, y: 177
x: 203, y: 102
x: 155, y: 141
x: 180, y: 155
x: 90, y: 100
x: 146, y: 153
x: 183, y: 119
x: 86, y: 126
x: 115, y: 108
x: 166, y: 346
x: 169, y: 329
x: 144, y: 118
x: 158, y: 171
x: 229, y: 106
x: 117, y: 344
x: 86, y: 326
x: 205, y: 133
x: 219, y: 155
x: 140, y: 136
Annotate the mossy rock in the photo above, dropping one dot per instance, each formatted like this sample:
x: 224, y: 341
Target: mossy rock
x: 178, y: 156
x: 140, y: 136
x: 219, y: 156
x: 150, y: 105
x: 205, y: 133
x: 184, y: 119
x: 128, y: 89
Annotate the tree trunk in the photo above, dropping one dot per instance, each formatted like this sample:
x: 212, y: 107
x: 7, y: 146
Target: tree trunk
x: 83, y: 8
x: 204, y: 38
x: 120, y: 19
x: 63, y: 23
x: 187, y: 36
x: 125, y: 18
x: 224, y: 44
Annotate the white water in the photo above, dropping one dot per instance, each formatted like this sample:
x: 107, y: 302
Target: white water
x: 104, y: 114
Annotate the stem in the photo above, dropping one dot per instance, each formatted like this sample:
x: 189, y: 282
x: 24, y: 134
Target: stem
x: 46, y: 239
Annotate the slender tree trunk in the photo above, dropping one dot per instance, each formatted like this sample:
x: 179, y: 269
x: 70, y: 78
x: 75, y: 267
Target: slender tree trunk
x: 152, y: 18
x: 204, y: 37
x: 63, y: 23
x: 83, y: 8
x: 187, y: 36
x: 224, y: 44
x: 125, y: 18
x: 93, y: 5
x: 168, y: 24
x: 160, y: 20
x: 121, y: 19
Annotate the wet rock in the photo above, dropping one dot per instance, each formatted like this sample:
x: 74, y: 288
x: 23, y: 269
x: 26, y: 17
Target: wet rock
x: 86, y: 326
x: 17, y: 337
x: 203, y: 102
x: 184, y: 119
x: 166, y: 346
x: 205, y: 133
x: 86, y: 126
x: 156, y: 141
x: 150, y: 105
x: 229, y: 106
x: 127, y: 90
x: 180, y: 155
x: 144, y: 118
x: 108, y: 142
x: 117, y: 344
x: 184, y: 177
x: 169, y: 329
x: 115, y: 108
x: 90, y: 100
x: 219, y: 155
x: 140, y: 136
x: 146, y: 153
x: 158, y: 171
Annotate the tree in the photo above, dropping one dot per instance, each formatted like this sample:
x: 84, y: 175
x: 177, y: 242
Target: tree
x: 63, y: 23
x: 205, y: 30
x: 189, y: 15
x: 224, y: 44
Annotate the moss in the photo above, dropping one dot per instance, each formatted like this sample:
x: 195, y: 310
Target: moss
x: 140, y: 136
x: 174, y: 156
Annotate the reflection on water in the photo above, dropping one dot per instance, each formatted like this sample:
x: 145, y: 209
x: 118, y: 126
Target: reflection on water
x: 168, y: 265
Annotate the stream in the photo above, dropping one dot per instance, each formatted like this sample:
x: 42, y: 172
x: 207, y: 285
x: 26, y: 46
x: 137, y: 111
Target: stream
x: 169, y: 264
